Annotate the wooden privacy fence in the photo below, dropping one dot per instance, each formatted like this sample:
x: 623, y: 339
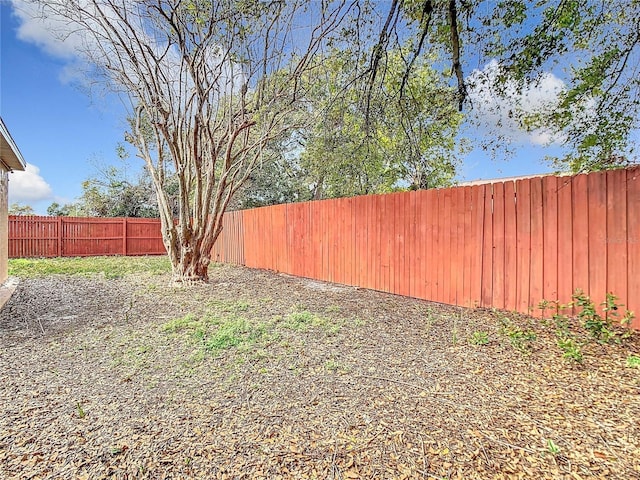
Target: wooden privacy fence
x: 34, y: 236
x: 506, y: 245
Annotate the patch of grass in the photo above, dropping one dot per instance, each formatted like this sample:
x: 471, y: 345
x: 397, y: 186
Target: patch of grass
x: 302, y: 320
x: 232, y: 333
x: 229, y: 306
x: 187, y: 322
x: 110, y: 267
x: 213, y: 333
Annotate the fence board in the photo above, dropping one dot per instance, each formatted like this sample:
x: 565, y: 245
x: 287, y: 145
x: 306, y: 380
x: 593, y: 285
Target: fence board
x: 633, y: 244
x: 510, y: 247
x: 487, y: 248
x: 402, y: 235
x: 550, y: 238
x: 430, y: 266
x: 477, y: 239
x: 523, y: 243
x: 498, y: 246
x: 536, y: 285
x: 580, y: 233
x: 565, y: 243
x: 616, y: 241
x: 458, y: 257
x: 597, y: 236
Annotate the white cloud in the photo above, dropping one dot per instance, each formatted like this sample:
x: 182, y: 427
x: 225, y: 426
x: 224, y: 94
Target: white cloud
x: 69, y: 38
x: 499, y: 111
x: 28, y: 186
x: 51, y: 34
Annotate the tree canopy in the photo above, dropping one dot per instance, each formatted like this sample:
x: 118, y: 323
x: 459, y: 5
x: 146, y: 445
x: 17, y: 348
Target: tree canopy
x: 593, y: 46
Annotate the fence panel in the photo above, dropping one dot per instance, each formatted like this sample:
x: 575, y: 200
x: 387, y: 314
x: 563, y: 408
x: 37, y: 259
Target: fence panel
x: 37, y: 236
x: 33, y: 236
x: 143, y: 237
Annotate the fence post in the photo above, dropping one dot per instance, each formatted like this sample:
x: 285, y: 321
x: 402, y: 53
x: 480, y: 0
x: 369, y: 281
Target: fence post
x: 124, y: 236
x: 59, y: 246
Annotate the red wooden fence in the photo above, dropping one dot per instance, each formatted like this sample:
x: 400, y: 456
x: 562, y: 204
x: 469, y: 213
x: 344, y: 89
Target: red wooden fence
x: 33, y: 236
x: 506, y: 245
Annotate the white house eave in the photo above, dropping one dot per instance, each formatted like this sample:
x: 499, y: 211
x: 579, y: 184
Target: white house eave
x: 10, y: 155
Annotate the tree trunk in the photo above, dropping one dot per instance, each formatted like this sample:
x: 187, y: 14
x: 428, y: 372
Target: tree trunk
x: 189, y: 250
x: 189, y: 262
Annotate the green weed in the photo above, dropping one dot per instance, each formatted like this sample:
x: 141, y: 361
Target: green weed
x: 479, y: 338
x: 633, y: 361
x: 520, y: 339
x: 570, y: 348
x: 332, y: 365
x: 552, y: 448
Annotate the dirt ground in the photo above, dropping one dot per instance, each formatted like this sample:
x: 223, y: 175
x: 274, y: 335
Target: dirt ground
x: 260, y: 375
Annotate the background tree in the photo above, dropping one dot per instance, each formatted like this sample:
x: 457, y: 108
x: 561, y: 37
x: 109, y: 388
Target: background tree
x: 65, y: 210
x: 593, y: 46
x: 395, y: 141
x: 408, y: 142
x: 211, y: 83
x: 113, y: 193
x: 19, y: 209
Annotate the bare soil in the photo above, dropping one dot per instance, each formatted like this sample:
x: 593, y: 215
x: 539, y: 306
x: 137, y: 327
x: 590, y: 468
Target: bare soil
x: 123, y: 378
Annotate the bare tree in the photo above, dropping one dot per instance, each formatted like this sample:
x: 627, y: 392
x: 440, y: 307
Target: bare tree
x: 210, y: 84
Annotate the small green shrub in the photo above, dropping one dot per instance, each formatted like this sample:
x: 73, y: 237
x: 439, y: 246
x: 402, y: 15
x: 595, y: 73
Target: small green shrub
x: 479, y: 338
x: 570, y: 348
x: 597, y: 326
x: 520, y: 339
x: 602, y: 328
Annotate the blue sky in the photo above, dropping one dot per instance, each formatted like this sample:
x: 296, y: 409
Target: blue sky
x: 63, y: 132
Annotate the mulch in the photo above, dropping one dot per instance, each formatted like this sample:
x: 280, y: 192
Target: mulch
x: 94, y: 385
